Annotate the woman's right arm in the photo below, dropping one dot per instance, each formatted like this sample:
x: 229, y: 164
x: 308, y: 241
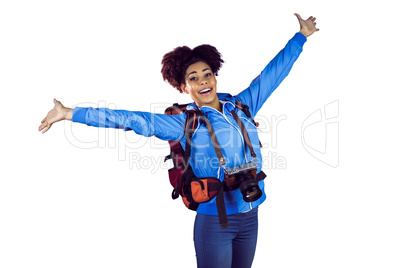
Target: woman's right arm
x: 165, y: 127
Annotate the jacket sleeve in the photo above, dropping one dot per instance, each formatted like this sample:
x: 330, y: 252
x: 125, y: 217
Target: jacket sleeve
x: 165, y: 127
x: 273, y: 74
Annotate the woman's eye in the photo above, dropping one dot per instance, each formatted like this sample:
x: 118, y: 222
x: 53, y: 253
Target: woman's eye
x: 193, y: 78
x: 208, y: 75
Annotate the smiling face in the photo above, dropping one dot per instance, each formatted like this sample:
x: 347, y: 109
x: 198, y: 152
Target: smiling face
x: 200, y: 83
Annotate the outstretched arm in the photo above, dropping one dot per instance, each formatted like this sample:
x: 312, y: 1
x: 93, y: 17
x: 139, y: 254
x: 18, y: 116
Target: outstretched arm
x: 277, y: 69
x: 165, y: 127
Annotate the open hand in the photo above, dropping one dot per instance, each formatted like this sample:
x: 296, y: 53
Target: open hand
x: 58, y: 113
x: 307, y: 27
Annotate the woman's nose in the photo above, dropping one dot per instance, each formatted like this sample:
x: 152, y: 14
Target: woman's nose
x: 203, y: 81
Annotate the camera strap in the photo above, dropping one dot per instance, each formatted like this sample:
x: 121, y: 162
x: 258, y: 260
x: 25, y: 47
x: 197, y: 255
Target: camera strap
x: 245, y: 134
x: 191, y: 124
x: 215, y: 142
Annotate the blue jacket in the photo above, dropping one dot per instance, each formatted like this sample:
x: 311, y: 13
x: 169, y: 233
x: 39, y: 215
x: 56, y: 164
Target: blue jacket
x: 203, y: 157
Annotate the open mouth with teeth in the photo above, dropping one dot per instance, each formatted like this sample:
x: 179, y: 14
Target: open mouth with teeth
x: 206, y: 91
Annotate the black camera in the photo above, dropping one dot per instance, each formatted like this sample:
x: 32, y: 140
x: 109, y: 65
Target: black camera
x: 245, y: 178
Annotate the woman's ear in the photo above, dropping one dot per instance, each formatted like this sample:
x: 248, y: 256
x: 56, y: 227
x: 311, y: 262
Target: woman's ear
x: 184, y: 88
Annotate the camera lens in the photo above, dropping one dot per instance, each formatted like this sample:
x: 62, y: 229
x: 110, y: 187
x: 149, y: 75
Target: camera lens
x: 252, y: 195
x: 249, y: 187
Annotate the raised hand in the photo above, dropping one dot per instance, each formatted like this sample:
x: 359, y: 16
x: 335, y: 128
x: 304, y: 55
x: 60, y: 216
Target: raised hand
x: 307, y: 27
x: 58, y: 113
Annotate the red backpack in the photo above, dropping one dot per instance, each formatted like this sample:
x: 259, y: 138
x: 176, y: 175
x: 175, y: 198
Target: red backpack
x: 195, y: 190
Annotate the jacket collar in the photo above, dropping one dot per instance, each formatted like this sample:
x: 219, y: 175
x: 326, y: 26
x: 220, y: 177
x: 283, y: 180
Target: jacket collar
x: 223, y: 98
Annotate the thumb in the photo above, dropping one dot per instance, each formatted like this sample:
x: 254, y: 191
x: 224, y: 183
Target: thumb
x: 298, y: 16
x: 56, y: 102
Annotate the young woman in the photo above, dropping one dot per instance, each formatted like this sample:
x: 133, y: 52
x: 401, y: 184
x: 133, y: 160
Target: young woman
x: 194, y: 71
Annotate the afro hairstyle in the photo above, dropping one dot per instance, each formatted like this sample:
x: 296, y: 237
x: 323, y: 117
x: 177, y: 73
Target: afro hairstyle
x: 176, y: 62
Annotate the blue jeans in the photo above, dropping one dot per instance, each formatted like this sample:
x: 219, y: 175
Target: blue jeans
x: 226, y: 248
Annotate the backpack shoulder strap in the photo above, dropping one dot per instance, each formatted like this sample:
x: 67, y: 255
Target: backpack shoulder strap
x: 246, y: 111
x: 189, y: 129
x: 245, y: 134
x: 193, y: 117
x: 176, y: 108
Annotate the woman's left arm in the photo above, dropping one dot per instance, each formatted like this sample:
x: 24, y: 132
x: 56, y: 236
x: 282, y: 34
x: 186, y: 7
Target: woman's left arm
x: 278, y: 68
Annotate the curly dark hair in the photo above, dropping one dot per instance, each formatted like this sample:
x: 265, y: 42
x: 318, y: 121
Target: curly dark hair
x: 176, y: 62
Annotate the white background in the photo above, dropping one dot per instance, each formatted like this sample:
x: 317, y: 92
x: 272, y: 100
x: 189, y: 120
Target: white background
x: 73, y: 198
